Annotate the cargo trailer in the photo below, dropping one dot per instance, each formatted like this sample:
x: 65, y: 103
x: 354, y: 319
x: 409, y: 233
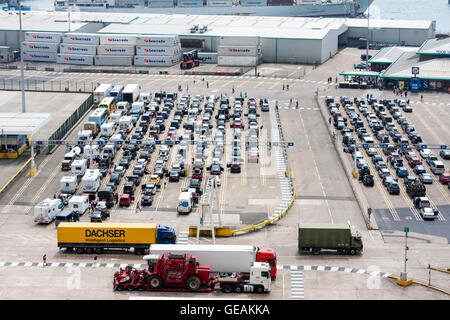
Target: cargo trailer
x: 207, y: 57
x: 39, y: 56
x: 244, y: 61
x: 155, y: 61
x: 82, y: 49
x: 118, y: 40
x: 40, y: 46
x: 223, y: 258
x: 157, y: 41
x: 102, y: 91
x: 155, y: 51
x: 315, y: 237
x: 238, y: 50
x: 253, y: 3
x: 190, y: 3
x: 220, y: 3
x: 96, y: 237
x: 43, y: 37
x: 81, y: 38
x: 131, y: 93
x: 115, y: 50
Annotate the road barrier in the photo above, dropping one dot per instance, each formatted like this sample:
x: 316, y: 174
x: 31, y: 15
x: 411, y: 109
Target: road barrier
x: 360, y: 198
x: 14, y: 176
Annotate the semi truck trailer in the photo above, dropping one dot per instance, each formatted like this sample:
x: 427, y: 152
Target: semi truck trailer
x: 316, y: 237
x: 96, y: 237
x: 222, y: 258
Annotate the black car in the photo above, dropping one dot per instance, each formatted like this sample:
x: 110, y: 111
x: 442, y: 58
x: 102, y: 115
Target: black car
x: 115, y: 178
x: 367, y: 180
x: 195, y: 183
x: 124, y: 162
x: 235, y: 167
x: 216, y: 169
x: 174, y: 176
x: 135, y: 179
x: 146, y: 200
x: 99, y: 216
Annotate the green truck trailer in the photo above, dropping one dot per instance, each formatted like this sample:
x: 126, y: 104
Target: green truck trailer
x: 315, y: 237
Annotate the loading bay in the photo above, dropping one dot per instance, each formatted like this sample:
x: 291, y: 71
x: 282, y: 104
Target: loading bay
x: 323, y: 194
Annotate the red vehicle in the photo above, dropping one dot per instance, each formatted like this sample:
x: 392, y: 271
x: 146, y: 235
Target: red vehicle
x: 125, y: 200
x: 197, y: 174
x: 170, y: 272
x: 445, y: 178
x: 190, y: 60
x: 414, y: 162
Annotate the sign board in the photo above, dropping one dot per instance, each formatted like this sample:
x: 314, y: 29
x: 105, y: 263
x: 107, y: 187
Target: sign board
x: 406, y: 229
x: 59, y: 142
x: 80, y: 143
x: 425, y: 84
x: 384, y: 145
x: 290, y: 144
x: 38, y: 142
x: 157, y: 142
x: 404, y: 146
x: 415, y: 84
x: 365, y: 145
x: 415, y: 70
x: 99, y: 142
x: 444, y: 147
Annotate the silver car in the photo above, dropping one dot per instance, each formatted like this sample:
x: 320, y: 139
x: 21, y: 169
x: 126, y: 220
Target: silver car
x: 426, y: 178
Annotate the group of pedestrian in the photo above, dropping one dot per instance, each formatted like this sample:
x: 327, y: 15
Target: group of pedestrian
x: 400, y: 92
x: 285, y: 87
x: 330, y: 80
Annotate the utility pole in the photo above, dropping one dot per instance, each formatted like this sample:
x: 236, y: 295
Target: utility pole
x: 403, y: 281
x: 22, y: 81
x: 368, y: 35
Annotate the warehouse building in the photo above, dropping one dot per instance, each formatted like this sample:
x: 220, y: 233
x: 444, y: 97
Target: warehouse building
x: 284, y: 39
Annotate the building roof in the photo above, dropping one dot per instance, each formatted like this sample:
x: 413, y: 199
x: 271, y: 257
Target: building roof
x: 390, y: 54
x: 360, y: 73
x: 12, y: 123
x: 37, y: 21
x: 433, y: 69
x: 389, y: 23
x: 435, y: 47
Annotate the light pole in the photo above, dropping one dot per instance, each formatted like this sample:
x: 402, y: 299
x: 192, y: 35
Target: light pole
x: 368, y: 35
x: 22, y: 81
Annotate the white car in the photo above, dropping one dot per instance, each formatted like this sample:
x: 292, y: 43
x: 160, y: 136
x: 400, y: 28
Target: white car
x: 371, y: 151
x: 428, y: 213
x: 424, y: 153
x: 426, y: 178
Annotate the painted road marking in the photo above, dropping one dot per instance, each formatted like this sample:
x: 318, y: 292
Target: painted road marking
x: 297, y: 289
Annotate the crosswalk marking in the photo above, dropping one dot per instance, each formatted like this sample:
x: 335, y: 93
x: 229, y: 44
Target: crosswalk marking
x: 297, y: 289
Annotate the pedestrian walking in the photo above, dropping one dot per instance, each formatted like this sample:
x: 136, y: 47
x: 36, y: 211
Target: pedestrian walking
x: 290, y: 101
x: 334, y: 136
x: 336, y: 79
x: 194, y: 81
x: 54, y: 196
x: 44, y: 259
x: 329, y: 120
x: 421, y: 97
x: 407, y: 101
x: 95, y: 262
x: 367, y: 96
x: 207, y: 84
x: 187, y: 88
x: 138, y: 207
x: 296, y: 104
x: 283, y: 86
x: 287, y: 87
x: 406, y: 93
x: 232, y: 90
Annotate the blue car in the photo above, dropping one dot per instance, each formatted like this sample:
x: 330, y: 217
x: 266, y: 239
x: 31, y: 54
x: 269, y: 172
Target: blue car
x: 402, y: 172
x: 419, y: 169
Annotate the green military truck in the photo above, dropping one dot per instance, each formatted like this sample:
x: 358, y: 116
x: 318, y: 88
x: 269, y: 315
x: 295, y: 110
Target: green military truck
x: 314, y: 237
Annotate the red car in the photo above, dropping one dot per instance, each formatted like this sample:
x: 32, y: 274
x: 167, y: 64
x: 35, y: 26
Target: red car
x: 197, y: 174
x: 414, y: 162
x: 445, y: 178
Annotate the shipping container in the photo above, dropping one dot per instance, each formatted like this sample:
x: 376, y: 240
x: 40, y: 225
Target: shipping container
x: 105, y: 60
x: 81, y: 38
x: 239, y: 41
x: 207, y: 57
x: 155, y: 51
x: 131, y: 3
x: 69, y: 48
x: 115, y: 50
x: 125, y: 40
x: 43, y: 37
x: 253, y: 3
x: 94, y: 237
x: 158, y: 41
x: 242, y: 61
x: 79, y: 59
x: 155, y: 61
x: 280, y: 2
x: 190, y: 3
x: 40, y: 46
x: 161, y: 4
x: 238, y: 50
x: 220, y: 3
x: 39, y: 56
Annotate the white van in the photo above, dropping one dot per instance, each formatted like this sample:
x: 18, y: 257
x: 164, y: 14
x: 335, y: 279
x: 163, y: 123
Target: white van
x: 368, y: 141
x: 110, y: 149
x: 185, y: 202
x: 68, y: 184
x: 85, y: 135
x: 91, y: 180
x: 193, y: 113
x: 115, y: 117
x: 46, y: 210
x: 79, y: 204
x: 91, y: 151
x: 107, y: 129
x: 126, y: 123
x: 145, y: 97
x: 79, y: 167
x: 437, y: 167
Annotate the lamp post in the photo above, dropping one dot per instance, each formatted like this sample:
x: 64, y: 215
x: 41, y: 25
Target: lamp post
x: 368, y: 35
x: 22, y: 81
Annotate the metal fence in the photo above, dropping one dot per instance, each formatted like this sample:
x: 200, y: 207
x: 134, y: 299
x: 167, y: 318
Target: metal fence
x: 49, y: 85
x: 71, y: 121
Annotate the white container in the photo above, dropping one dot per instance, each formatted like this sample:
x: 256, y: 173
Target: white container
x: 81, y: 38
x: 131, y: 3
x: 105, y: 60
x: 79, y: 59
x: 253, y: 3
x: 39, y: 56
x: 190, y: 3
x: 239, y: 41
x: 40, y: 46
x: 158, y: 41
x: 115, y: 50
x: 220, y: 3
x: 68, y: 184
x: 69, y: 48
x: 241, y: 61
x: 238, y: 50
x: 155, y: 51
x: 155, y: 61
x: 43, y: 37
x: 207, y: 57
x: 161, y: 4
x: 115, y: 39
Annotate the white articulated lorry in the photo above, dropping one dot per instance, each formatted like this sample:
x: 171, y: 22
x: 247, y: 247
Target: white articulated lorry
x: 222, y: 258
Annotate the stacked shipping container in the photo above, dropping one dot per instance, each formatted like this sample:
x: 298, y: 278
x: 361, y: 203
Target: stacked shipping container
x: 115, y: 50
x: 158, y: 51
x: 239, y: 51
x: 40, y: 46
x: 161, y: 3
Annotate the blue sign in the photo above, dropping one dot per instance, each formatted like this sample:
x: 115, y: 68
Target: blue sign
x: 139, y: 142
x: 157, y: 142
x: 290, y: 144
x: 404, y: 146
x: 119, y: 142
x: 415, y: 84
x: 38, y: 142
x: 100, y: 142
x: 425, y: 84
x: 384, y: 145
x: 177, y: 142
x: 365, y: 145
x: 423, y: 146
x: 58, y: 142
x: 443, y: 147
x: 415, y: 70
x: 80, y: 142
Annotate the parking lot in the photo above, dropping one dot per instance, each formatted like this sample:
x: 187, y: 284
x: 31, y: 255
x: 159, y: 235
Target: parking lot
x: 323, y: 194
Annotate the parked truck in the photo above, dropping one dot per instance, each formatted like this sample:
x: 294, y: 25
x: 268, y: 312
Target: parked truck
x: 183, y: 272
x: 95, y: 238
x: 131, y: 93
x: 102, y: 91
x: 46, y: 210
x: 318, y: 236
x: 91, y: 126
x: 223, y: 258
